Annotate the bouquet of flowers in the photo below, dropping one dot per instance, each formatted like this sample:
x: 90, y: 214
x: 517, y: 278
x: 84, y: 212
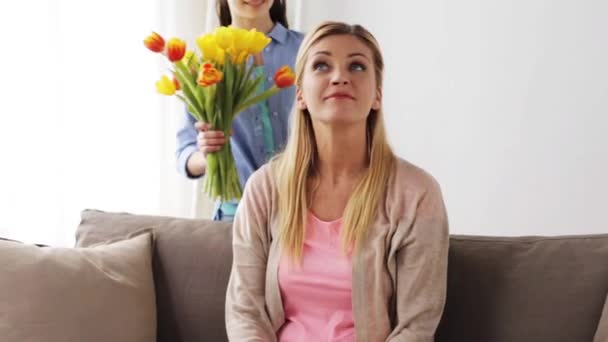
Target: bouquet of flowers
x: 216, y: 85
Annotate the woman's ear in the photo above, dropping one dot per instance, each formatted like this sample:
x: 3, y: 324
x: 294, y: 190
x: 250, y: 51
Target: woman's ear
x: 378, y: 100
x: 300, y: 99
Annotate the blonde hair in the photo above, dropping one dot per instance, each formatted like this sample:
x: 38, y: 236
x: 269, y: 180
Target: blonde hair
x: 293, y: 167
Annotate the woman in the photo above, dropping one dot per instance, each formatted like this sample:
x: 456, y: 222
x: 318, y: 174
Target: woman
x: 336, y: 237
x: 261, y: 130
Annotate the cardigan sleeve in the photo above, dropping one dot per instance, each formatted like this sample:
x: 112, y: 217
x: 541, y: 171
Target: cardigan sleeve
x: 422, y: 270
x: 246, y: 315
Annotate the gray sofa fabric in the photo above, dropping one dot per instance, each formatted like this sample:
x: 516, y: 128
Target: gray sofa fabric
x: 500, y: 289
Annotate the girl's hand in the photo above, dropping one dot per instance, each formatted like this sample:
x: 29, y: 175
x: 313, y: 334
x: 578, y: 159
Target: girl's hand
x: 208, y: 140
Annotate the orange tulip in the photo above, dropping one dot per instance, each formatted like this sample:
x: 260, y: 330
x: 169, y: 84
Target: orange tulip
x: 284, y: 77
x: 155, y: 42
x: 176, y: 49
x: 209, y: 75
x: 176, y: 83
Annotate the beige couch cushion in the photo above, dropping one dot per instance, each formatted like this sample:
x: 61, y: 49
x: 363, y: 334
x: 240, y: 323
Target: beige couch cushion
x: 102, y: 293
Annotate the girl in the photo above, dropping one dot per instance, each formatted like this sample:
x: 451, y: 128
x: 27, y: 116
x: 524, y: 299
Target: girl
x: 261, y: 130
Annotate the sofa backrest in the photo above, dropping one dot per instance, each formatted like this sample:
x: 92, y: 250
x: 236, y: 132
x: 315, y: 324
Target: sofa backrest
x: 191, y: 265
x: 541, y: 289
x: 512, y: 289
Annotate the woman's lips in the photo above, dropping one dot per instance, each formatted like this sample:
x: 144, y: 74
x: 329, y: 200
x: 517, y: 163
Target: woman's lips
x: 339, y: 97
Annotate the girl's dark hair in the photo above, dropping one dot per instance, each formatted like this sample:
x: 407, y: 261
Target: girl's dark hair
x: 278, y: 12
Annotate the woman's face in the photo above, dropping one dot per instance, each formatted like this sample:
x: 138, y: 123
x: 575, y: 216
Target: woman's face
x: 249, y: 9
x: 339, y: 82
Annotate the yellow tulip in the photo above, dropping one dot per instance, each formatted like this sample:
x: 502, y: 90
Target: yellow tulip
x: 219, y: 58
x: 165, y: 86
x: 242, y: 41
x: 190, y: 60
x: 188, y: 57
x: 224, y: 37
x: 258, y: 41
x: 242, y: 57
x: 208, y: 46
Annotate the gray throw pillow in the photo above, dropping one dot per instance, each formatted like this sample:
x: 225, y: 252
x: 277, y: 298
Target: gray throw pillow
x: 101, y: 293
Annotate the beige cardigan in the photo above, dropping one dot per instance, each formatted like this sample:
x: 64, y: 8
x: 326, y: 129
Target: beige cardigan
x: 399, y: 276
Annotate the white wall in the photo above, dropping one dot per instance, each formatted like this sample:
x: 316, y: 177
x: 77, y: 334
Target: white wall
x: 504, y: 102
x: 78, y: 117
x: 186, y: 19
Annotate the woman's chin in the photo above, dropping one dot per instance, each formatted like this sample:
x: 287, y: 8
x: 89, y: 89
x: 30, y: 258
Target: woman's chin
x: 339, y: 119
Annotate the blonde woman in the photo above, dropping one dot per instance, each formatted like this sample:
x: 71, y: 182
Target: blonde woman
x: 337, y: 239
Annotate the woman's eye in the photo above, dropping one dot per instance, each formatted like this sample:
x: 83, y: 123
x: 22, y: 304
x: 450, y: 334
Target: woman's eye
x: 356, y: 66
x: 320, y: 66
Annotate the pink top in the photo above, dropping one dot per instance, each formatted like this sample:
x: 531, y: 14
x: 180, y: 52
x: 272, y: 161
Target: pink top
x: 317, y: 296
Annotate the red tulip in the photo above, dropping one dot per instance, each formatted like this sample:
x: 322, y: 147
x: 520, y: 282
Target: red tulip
x: 284, y: 77
x: 155, y: 42
x: 176, y: 49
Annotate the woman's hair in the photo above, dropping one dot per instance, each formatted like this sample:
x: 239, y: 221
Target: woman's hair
x: 278, y: 12
x: 295, y: 166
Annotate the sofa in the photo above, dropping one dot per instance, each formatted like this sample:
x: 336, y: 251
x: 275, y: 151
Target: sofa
x: 500, y: 289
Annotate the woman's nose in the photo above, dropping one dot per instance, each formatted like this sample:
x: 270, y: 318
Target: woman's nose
x: 339, y: 78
